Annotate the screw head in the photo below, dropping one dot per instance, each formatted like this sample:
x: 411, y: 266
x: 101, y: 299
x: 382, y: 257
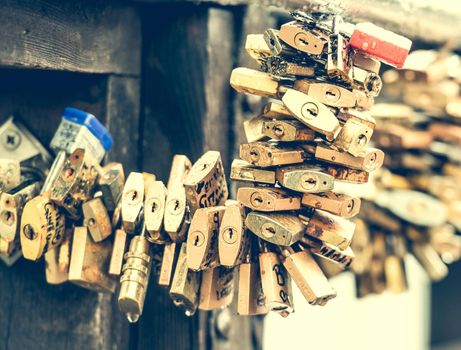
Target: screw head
x: 11, y: 139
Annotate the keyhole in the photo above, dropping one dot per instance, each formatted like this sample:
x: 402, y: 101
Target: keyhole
x: 176, y: 205
x: 331, y: 93
x: 29, y: 232
x: 196, y: 241
x: 278, y: 130
x: 134, y: 195
x: 8, y: 218
x: 230, y: 233
x: 154, y: 207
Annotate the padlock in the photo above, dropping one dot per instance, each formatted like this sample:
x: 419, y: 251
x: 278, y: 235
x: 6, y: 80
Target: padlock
x: 118, y: 251
x: 361, y: 60
x: 276, y: 282
x: 42, y: 226
x: 250, y: 297
x: 312, y: 113
x: 132, y: 202
x: 363, y: 285
x: 445, y: 132
x: 135, y: 278
x: 275, y: 110
x: 89, y: 263
x: 334, y: 203
x: 185, y: 286
x: 10, y: 252
x: 394, y: 136
x: 338, y: 63
x: 341, y: 173
x: 394, y: 265
x: 446, y: 243
x: 206, y: 182
x: 377, y: 265
x: 268, y: 199
x: 362, y: 248
x: 307, y: 275
x: 265, y: 154
x: 382, y: 44
x: 79, y: 129
x: 202, y: 241
x: 154, y: 210
x: 305, y: 178
x: 111, y: 185
x: 370, y: 82
x: 257, y: 47
x: 97, y: 219
x: 287, y: 130
x: 10, y: 174
x: 380, y: 216
x: 330, y: 229
x: 280, y: 67
x: 244, y: 171
x: 176, y: 214
x: 356, y: 132
x: 57, y: 261
x: 254, y: 129
x: 254, y: 82
x: 428, y: 258
x: 233, y: 242
x: 327, y: 94
x: 169, y: 259
x: 343, y: 258
x: 75, y: 182
x: 278, y: 47
x: 278, y: 228
x: 216, y: 288
x: 11, y: 207
x: 312, y: 42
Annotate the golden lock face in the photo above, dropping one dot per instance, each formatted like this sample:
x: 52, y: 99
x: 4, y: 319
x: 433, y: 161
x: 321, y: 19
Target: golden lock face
x: 202, y: 241
x: 254, y: 129
x: 250, y: 297
x: 276, y: 228
x: 118, y: 251
x: 328, y: 94
x: 268, y: 199
x: 288, y: 130
x: 343, y: 258
x: 308, y: 277
x: 274, y: 110
x: 257, y: 47
x: 132, y: 201
x: 305, y: 178
x: 175, y: 204
x: 75, y: 182
x: 168, y: 263
x: 330, y: 229
x: 90, y: 262
x: 111, y: 184
x: 135, y: 278
x: 369, y: 160
x: 10, y: 174
x: 277, y: 46
x: 337, y: 204
x: 216, y: 288
x: 11, y: 206
x: 265, y: 154
x: 276, y: 284
x: 430, y: 261
x: 154, y: 210
x: 42, y: 226
x: 312, y: 113
x: 255, y: 82
x: 311, y: 42
x: 354, y: 136
x: 341, y: 173
x: 186, y: 283
x: 233, y: 241
x: 206, y: 182
x: 244, y: 171
x: 97, y: 219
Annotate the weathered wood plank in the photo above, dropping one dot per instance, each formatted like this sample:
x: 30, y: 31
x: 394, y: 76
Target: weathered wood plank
x: 81, y: 36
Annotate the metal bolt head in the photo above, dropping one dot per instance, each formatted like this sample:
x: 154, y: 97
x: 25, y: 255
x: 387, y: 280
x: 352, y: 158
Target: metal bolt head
x: 11, y: 139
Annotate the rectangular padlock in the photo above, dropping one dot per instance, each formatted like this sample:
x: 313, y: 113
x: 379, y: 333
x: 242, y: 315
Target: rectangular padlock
x: 256, y: 47
x: 111, y: 185
x: 168, y: 262
x: 118, y: 251
x: 394, y: 264
x: 312, y: 42
x: 53, y: 271
x: 268, y: 199
x: 356, y: 132
x: 216, y: 288
x: 338, y: 63
x: 288, y: 130
x: 334, y: 203
x: 343, y: 258
x: 265, y: 154
x: 341, y: 173
x: 254, y: 128
x: 154, y: 211
x: 377, y: 266
x: 275, y: 110
x: 255, y: 82
x: 250, y: 297
x: 430, y: 261
x: 361, y: 246
x: 281, y: 68
x: 244, y: 171
x: 326, y: 93
x: 394, y: 136
x: 278, y: 47
x: 97, y: 219
x: 305, y: 178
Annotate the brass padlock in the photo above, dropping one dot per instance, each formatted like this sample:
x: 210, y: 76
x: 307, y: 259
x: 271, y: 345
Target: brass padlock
x: 10, y: 252
x: 186, y: 283
x: 305, y: 178
x: 97, y: 219
x: 202, y: 241
x: 244, y: 171
x: 428, y: 258
x: 341, y: 173
x: 268, y: 199
x: 308, y: 276
x: 10, y: 174
x: 135, y: 278
x: 277, y: 228
x: 380, y: 217
x: 312, y: 113
x: 343, y: 258
x: 265, y: 154
x: 338, y: 63
x: 330, y: 229
x: 42, y: 226
x: 394, y: 265
x: 154, y: 210
x: 254, y: 129
x: 334, y: 203
x: 250, y: 297
x: 175, y: 217
x: 206, y: 182
x: 89, y: 263
x: 257, y: 47
x: 280, y: 67
x: 275, y: 110
x: 276, y: 282
x: 132, y: 202
x: 355, y: 134
x: 327, y: 94
x: 255, y: 82
x: 233, y: 242
x: 277, y: 46
x: 111, y: 185
x: 287, y: 130
x: 216, y: 288
x: 312, y: 42
x: 168, y: 262
x: 118, y: 251
x: 377, y: 266
x: 362, y: 248
x: 368, y: 81
x: 57, y: 261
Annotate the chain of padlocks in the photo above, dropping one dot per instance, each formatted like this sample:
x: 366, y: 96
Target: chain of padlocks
x: 93, y: 228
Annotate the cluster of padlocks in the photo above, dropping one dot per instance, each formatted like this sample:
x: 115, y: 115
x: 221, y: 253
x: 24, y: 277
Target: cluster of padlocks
x: 416, y: 203
x: 322, y: 77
